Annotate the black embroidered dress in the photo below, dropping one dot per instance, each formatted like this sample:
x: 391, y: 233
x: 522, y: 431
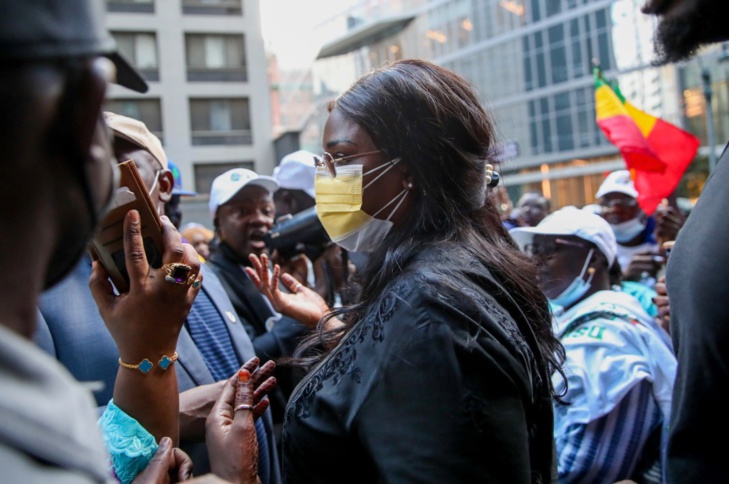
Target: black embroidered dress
x: 437, y: 383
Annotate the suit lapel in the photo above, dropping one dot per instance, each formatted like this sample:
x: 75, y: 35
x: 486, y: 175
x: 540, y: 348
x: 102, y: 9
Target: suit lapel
x: 191, y: 359
x: 249, y: 301
x: 238, y: 335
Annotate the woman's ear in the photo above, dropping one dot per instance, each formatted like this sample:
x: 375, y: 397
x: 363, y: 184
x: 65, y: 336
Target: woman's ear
x: 408, y: 181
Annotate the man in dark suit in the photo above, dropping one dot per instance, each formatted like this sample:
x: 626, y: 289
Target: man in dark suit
x: 212, y: 344
x: 242, y: 207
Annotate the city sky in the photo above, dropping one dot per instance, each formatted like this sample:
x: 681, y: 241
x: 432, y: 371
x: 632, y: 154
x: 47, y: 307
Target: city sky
x: 288, y: 28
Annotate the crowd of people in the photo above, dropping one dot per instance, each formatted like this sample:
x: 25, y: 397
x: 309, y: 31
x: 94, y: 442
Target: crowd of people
x: 414, y: 328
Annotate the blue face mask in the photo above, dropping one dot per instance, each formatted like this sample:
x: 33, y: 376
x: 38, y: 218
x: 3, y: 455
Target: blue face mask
x: 577, y: 289
x: 627, y: 231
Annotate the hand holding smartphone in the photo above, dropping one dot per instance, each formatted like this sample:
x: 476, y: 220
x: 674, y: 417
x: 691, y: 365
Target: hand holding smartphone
x: 108, y: 244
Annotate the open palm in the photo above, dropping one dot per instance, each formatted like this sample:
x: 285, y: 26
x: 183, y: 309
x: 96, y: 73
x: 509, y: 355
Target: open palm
x: 300, y: 303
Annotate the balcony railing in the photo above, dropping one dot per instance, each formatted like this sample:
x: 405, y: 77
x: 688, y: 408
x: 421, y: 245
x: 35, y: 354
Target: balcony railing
x: 207, y: 7
x: 205, y: 74
x: 130, y: 6
x: 234, y: 137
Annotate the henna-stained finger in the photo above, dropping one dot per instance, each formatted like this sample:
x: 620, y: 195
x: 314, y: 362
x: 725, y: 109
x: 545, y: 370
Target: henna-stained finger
x: 264, y: 389
x: 263, y: 372
x: 260, y: 408
x: 252, y: 364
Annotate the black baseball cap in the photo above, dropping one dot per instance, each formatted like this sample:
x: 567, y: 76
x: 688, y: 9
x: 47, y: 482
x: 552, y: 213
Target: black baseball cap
x: 52, y: 29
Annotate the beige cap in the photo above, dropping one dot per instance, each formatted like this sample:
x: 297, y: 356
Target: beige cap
x: 137, y: 133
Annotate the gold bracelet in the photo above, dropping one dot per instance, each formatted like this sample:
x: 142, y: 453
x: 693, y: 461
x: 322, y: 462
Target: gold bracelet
x: 166, y: 361
x: 145, y: 366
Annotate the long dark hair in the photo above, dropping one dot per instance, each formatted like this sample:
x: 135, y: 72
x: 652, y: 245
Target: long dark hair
x: 431, y: 119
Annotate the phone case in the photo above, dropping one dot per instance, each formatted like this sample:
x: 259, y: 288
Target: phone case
x: 108, y: 243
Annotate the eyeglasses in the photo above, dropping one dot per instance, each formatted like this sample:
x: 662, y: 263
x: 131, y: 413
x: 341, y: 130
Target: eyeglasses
x: 546, y: 250
x: 330, y: 162
x: 619, y: 202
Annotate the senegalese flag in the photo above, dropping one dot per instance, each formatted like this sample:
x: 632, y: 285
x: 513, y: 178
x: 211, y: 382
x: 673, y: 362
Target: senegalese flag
x: 656, y: 152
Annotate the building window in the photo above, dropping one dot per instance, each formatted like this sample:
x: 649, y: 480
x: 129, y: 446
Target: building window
x: 148, y: 111
x: 205, y: 173
x: 215, y: 57
x: 212, y: 7
x: 140, y: 48
x: 134, y: 6
x: 220, y: 122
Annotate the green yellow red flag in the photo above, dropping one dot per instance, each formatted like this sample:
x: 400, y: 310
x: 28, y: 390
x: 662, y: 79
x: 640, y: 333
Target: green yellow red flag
x: 657, y: 153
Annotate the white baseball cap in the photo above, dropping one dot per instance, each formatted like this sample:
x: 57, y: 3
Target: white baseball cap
x: 297, y: 171
x: 617, y: 182
x: 572, y: 221
x: 225, y: 186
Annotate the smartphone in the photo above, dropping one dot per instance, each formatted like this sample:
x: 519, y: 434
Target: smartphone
x: 107, y: 246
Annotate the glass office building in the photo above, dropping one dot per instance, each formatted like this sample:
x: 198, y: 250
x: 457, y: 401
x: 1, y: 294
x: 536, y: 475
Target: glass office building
x: 531, y: 62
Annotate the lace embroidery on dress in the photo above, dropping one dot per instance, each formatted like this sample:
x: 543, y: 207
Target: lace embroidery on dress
x: 342, y: 361
x: 129, y: 444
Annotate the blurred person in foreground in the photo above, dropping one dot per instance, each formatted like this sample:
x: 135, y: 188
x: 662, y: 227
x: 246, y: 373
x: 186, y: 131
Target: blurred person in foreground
x: 441, y: 371
x: 639, y: 236
x: 620, y: 366
x: 212, y: 345
x: 697, y: 276
x: 55, y: 145
x: 330, y: 272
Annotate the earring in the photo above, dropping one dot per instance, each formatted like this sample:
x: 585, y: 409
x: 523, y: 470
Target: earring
x: 591, y: 270
x: 410, y: 185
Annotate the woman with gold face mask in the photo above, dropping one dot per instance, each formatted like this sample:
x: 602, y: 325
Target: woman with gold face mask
x: 441, y: 371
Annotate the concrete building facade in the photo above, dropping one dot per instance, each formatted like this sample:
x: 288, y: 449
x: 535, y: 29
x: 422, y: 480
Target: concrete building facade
x: 209, y: 91
x: 530, y: 61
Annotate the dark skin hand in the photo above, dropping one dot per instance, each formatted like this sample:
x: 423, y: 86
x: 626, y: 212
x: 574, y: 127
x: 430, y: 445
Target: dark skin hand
x: 169, y: 464
x: 661, y: 301
x: 302, y: 304
x: 231, y: 433
x: 668, y: 222
x: 145, y: 323
x: 195, y: 406
x: 642, y: 264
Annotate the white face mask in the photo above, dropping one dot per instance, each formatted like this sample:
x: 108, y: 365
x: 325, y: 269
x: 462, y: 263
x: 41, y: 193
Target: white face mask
x: 577, y: 288
x: 339, y: 207
x: 628, y: 230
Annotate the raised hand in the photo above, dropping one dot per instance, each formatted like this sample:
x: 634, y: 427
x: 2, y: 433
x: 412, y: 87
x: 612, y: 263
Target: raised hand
x: 301, y: 303
x: 230, y: 428
x: 644, y: 265
x: 145, y: 323
x: 668, y: 223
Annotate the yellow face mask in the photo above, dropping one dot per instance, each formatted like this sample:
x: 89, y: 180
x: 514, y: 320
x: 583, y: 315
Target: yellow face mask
x: 339, y: 207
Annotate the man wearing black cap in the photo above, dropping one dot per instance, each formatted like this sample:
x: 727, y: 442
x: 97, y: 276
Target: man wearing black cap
x: 54, y: 145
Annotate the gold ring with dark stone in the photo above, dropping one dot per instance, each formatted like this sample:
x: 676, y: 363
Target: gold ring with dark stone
x: 176, y: 272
